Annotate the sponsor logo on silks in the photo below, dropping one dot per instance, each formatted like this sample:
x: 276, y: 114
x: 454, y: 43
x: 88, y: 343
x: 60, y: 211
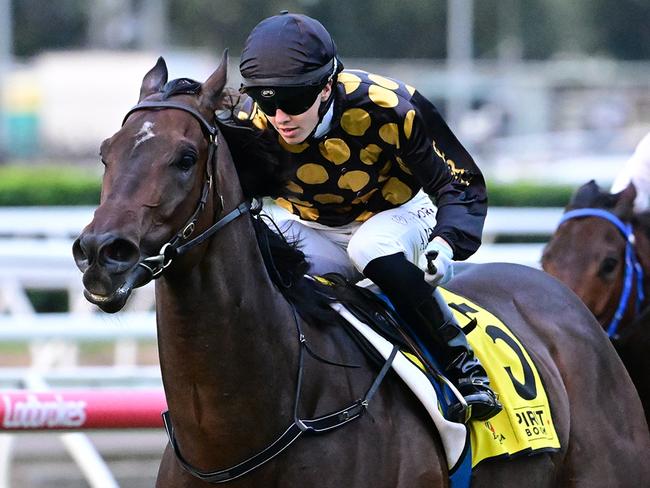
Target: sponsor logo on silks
x: 268, y: 92
x: 33, y: 413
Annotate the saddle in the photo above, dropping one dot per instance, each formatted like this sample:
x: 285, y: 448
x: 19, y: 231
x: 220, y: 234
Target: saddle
x: 524, y: 426
x: 376, y: 311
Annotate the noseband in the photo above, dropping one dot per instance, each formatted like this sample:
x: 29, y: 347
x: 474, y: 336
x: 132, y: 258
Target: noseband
x: 179, y: 244
x: 632, y: 266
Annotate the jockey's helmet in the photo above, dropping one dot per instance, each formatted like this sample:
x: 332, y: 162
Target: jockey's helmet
x: 288, y: 50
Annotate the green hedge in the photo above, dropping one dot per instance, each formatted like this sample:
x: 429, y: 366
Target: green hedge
x: 48, y: 185
x: 72, y: 185
x: 528, y: 194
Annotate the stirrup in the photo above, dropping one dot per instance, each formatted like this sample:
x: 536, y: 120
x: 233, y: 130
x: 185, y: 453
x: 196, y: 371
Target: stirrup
x: 481, y: 404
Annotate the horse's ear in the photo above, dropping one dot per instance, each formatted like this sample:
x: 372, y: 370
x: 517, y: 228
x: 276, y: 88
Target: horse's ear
x: 213, y: 86
x: 624, y: 207
x: 154, y: 80
x: 584, y: 195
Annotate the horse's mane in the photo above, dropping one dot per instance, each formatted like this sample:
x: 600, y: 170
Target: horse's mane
x: 256, y: 157
x: 255, y: 153
x: 287, y: 267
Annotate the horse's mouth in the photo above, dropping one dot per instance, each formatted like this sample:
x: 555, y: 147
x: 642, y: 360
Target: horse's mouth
x: 110, y: 303
x: 115, y: 301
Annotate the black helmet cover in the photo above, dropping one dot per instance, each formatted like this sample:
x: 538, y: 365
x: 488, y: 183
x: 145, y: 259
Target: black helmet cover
x: 288, y: 50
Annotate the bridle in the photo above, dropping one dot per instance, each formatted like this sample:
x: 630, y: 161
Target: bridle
x: 632, y: 266
x: 152, y: 267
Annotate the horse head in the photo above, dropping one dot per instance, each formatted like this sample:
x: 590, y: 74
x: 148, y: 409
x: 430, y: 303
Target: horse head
x: 158, y: 185
x: 588, y: 251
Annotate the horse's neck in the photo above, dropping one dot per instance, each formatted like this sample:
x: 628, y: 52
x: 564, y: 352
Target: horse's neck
x: 228, y: 347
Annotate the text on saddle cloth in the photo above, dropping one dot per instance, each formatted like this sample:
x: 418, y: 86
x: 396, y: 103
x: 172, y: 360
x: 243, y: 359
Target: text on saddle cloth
x: 525, y: 425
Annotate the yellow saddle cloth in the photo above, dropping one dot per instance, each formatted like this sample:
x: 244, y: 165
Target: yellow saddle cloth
x: 525, y: 423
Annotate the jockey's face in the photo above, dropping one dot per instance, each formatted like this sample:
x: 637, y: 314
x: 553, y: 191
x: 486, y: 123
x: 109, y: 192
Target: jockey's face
x: 294, y: 129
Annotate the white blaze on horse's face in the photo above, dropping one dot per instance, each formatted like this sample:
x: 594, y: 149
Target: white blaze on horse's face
x: 145, y: 133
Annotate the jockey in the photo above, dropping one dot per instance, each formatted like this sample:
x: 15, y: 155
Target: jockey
x: 365, y: 154
x: 637, y: 171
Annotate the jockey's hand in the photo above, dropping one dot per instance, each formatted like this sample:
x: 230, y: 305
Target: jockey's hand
x: 437, y: 262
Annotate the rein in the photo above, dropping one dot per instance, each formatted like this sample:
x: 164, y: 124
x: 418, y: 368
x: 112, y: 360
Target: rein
x: 632, y: 266
x: 298, y: 427
x: 154, y: 266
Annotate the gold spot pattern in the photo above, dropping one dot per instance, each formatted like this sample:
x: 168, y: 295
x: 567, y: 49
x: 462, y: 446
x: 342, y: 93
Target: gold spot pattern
x: 312, y: 174
x: 284, y: 204
x: 326, y: 198
x: 363, y: 216
x: 370, y: 154
x: 350, y: 82
x: 294, y: 187
x: 335, y: 150
x: 389, y: 133
x: 355, y: 121
x: 355, y: 172
x: 382, y: 96
x: 408, y: 123
x: 383, y: 172
x: 385, y: 82
x: 396, y: 192
x: 403, y: 166
x: 292, y: 148
x: 308, y: 213
x: 364, y: 198
x: 300, y: 202
x: 354, y: 180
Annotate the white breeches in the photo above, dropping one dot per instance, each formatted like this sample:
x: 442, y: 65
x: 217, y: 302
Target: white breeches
x: 349, y: 248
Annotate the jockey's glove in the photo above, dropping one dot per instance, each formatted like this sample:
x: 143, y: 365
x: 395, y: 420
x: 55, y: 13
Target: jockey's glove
x: 436, y: 261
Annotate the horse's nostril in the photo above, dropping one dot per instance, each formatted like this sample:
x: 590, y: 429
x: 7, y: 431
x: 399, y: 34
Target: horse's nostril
x: 120, y: 254
x: 80, y: 257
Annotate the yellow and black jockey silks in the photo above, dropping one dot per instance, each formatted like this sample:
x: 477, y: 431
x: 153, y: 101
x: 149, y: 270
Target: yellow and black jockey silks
x: 385, y: 142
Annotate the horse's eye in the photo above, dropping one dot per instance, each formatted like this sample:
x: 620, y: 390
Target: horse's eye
x: 186, y: 162
x: 608, y: 265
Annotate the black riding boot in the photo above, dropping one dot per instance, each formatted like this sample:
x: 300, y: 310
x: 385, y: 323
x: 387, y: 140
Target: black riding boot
x: 424, y: 309
x: 436, y: 323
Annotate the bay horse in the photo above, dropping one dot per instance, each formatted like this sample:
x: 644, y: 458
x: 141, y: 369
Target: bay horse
x: 232, y: 346
x: 601, y: 250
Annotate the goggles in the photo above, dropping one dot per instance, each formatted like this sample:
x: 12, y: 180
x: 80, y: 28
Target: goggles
x: 291, y: 100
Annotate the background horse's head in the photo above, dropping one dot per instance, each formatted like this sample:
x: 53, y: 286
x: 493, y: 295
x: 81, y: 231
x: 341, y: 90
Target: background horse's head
x: 588, y: 253
x: 157, y: 180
